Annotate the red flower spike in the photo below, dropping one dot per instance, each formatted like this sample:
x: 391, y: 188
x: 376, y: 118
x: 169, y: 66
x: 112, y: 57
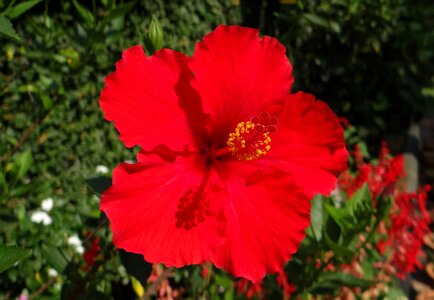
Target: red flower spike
x: 229, y: 158
x: 408, y: 218
x: 91, y: 253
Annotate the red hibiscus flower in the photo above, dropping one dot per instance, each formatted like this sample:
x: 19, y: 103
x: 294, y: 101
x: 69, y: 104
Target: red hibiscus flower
x: 229, y: 157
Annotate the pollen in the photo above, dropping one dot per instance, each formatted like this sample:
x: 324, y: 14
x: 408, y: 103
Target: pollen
x: 249, y: 141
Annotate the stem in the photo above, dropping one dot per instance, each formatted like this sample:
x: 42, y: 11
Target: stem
x: 43, y: 287
x: 371, y: 233
x: 315, y: 275
x: 96, y: 229
x: 81, y: 284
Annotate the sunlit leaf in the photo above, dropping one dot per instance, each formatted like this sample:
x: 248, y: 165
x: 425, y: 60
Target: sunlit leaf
x: 317, y: 20
x: 21, y: 8
x: 7, y: 29
x: 316, y: 216
x: 333, y: 280
x: 84, y: 13
x: 24, y: 161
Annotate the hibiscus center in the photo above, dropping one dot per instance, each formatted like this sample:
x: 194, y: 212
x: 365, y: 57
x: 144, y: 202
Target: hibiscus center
x: 251, y: 140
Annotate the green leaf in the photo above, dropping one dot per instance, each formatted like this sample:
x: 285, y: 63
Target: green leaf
x: 10, y: 255
x: 341, y: 217
x: 136, y: 266
x: 24, y: 161
x: 223, y: 281
x: 99, y: 184
x: 84, y: 13
x: 317, y: 20
x: 360, y: 204
x: 2, y: 180
x: 7, y: 29
x: 335, y: 26
x: 384, y: 204
x: 229, y: 294
x: 119, y: 11
x: 341, y: 251
x: 46, y: 101
x: 330, y: 281
x: 21, y: 189
x: 395, y: 291
x: 331, y: 228
x: 323, y: 287
x: 55, y: 257
x: 21, y: 8
x: 356, y: 214
x: 345, y: 279
x: 316, y: 216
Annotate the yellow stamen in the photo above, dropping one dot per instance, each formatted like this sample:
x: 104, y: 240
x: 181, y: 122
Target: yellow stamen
x: 246, y: 143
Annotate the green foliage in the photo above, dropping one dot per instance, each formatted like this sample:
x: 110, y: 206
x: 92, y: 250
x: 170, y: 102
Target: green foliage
x: 370, y: 60
x: 341, y: 223
x: 20, y: 8
x: 10, y: 255
x: 355, y: 214
x: 53, y: 134
x: 7, y: 29
x: 330, y: 281
x: 55, y: 257
x: 12, y: 12
x: 316, y: 216
x: 84, y: 13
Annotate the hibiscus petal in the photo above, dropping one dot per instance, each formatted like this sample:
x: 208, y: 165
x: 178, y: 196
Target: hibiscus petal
x: 237, y: 73
x: 266, y: 220
x: 309, y: 144
x: 150, y: 100
x: 153, y: 211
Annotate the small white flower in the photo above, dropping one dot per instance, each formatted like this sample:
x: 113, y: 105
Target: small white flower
x: 79, y: 249
x: 75, y: 242
x: 52, y: 272
x: 102, y: 169
x: 47, y: 204
x: 41, y: 217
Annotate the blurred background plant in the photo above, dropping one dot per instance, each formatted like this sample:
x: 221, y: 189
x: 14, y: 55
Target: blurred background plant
x: 371, y: 60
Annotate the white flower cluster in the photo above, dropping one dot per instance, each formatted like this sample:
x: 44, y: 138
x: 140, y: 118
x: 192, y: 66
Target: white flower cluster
x: 42, y: 216
x: 75, y: 242
x: 102, y: 169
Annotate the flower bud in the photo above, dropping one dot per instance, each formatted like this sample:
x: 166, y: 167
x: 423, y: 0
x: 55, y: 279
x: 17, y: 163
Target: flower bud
x: 155, y: 38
